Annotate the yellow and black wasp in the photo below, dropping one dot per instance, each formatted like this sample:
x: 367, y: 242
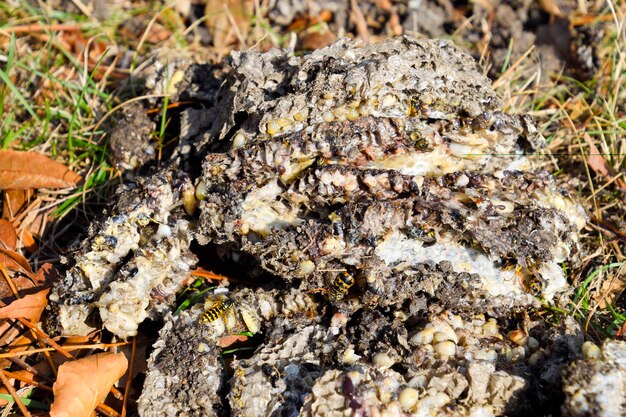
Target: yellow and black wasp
x: 217, y: 311
x: 530, y: 280
x: 340, y: 286
x: 338, y: 289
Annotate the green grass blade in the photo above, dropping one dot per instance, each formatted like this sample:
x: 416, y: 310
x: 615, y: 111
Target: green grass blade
x: 70, y: 141
x: 27, y: 402
x: 4, y: 76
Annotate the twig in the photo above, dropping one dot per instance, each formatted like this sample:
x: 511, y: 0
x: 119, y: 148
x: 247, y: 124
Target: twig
x: 82, y: 8
x: 67, y: 349
x: 45, y: 338
x: 27, y: 381
x: 119, y: 106
x: 211, y: 276
x: 508, y: 72
x: 9, y: 281
x: 233, y: 24
x: 48, y: 356
x: 66, y: 27
x: 130, y: 375
x: 170, y: 106
x: 29, y: 368
x: 16, y: 397
x: 359, y: 20
x: 117, y: 394
x: 107, y: 411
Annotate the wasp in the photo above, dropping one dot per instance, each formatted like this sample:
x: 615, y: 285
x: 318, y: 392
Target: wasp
x: 271, y: 372
x: 529, y: 278
x: 216, y: 311
x: 428, y: 237
x: 420, y: 142
x: 535, y: 285
x: 340, y: 286
x: 103, y: 242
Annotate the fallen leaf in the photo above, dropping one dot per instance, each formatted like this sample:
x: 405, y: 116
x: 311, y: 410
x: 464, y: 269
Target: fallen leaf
x: 14, y: 202
x: 8, y: 235
x: 17, y: 384
x: 220, y: 16
x: 83, y: 384
x: 612, y: 286
x: 16, y: 262
x: 15, y: 339
x: 302, y: 23
x: 315, y: 40
x: 27, y: 241
x: 599, y: 165
x: 6, y: 293
x: 226, y: 341
x: 36, y: 220
x: 24, y: 170
x: 28, y: 307
x: 46, y: 274
x: 158, y: 33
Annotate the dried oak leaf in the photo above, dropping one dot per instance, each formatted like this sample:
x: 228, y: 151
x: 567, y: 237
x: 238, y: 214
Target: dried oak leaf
x: 83, y: 384
x: 8, y: 235
x: 16, y: 262
x: 14, y: 202
x: 46, y: 274
x: 28, y: 307
x: 24, y: 170
x: 599, y: 165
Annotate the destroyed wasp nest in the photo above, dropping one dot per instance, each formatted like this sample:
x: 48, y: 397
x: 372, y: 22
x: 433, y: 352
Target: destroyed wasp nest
x: 392, y: 162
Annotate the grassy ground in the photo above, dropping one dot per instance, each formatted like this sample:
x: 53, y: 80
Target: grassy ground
x: 65, y: 74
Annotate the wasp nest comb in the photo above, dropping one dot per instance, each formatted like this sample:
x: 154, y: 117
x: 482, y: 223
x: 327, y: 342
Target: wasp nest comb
x: 389, y: 177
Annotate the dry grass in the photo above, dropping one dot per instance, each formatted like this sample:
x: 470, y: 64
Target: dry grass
x: 585, y: 126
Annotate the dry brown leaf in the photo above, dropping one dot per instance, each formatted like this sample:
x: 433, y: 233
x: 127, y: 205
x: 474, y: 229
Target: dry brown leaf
x: 27, y: 241
x: 8, y: 235
x: 14, y: 202
x: 28, y: 307
x: 16, y: 262
x: 220, y: 16
x: 315, y: 40
x: 16, y: 383
x: 83, y: 384
x: 226, y: 341
x: 599, y: 165
x: 20, y: 283
x: 24, y: 170
x: 46, y: 274
x: 15, y: 339
x: 36, y: 219
x: 612, y: 286
x: 158, y: 33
